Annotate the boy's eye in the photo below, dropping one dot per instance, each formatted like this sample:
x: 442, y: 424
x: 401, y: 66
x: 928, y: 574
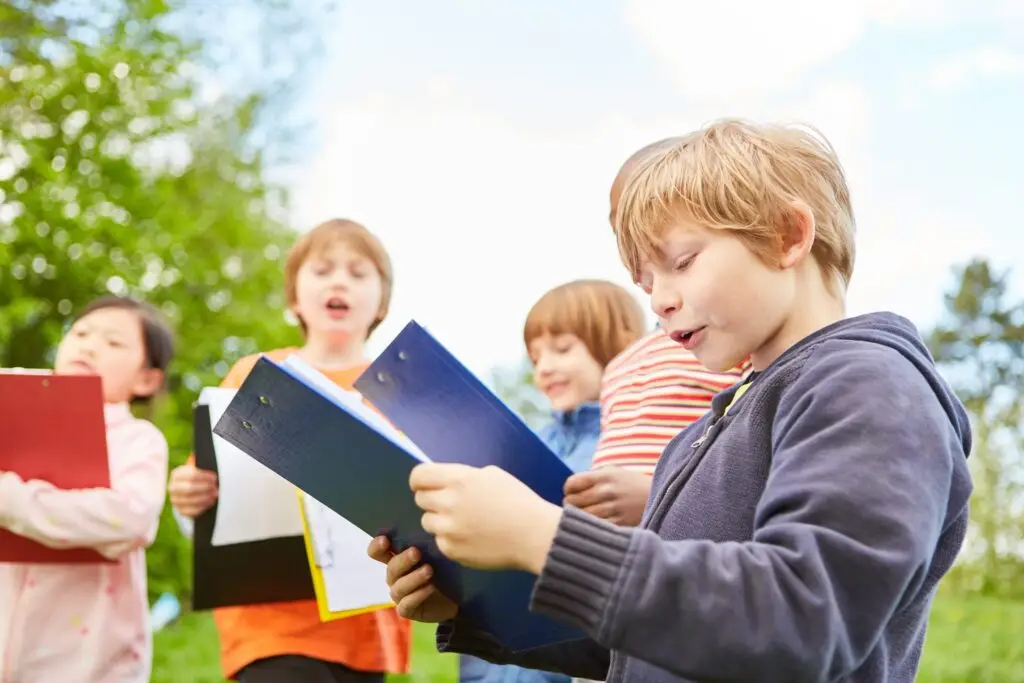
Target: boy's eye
x: 564, y: 345
x: 684, y: 263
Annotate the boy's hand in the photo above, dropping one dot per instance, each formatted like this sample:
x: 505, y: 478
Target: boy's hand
x: 612, y: 493
x: 192, y: 491
x: 412, y: 592
x: 485, y: 518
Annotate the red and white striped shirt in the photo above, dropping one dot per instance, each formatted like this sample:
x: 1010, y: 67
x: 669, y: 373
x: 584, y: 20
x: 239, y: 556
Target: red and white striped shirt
x: 650, y: 392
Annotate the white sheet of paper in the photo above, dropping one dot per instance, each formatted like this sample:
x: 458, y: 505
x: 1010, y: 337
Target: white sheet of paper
x: 353, y: 400
x: 351, y: 579
x: 255, y: 503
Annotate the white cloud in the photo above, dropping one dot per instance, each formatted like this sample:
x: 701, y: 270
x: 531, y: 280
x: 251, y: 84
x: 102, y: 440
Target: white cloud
x: 729, y: 51
x: 985, y: 62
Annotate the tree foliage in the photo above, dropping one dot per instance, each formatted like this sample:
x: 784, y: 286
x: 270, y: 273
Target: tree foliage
x: 980, y: 345
x: 116, y: 176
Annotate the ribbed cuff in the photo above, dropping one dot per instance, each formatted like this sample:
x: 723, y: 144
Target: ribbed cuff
x: 585, y: 561
x: 460, y: 636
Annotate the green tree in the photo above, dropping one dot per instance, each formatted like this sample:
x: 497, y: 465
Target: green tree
x: 114, y: 176
x: 980, y: 344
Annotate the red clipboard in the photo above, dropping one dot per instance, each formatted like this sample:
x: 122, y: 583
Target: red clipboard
x: 52, y: 428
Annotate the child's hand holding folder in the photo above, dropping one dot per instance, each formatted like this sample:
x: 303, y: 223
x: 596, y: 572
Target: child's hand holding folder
x: 412, y: 589
x: 485, y: 518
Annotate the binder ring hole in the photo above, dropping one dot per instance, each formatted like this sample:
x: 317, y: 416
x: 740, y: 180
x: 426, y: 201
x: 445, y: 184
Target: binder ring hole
x: 381, y: 377
x: 402, y: 355
x: 264, y: 400
x: 246, y: 424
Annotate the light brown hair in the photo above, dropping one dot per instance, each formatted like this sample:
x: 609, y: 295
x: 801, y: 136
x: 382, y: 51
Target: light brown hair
x: 605, y: 317
x: 356, y: 237
x: 743, y: 177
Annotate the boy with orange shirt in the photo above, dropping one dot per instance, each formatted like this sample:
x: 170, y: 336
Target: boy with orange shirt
x: 338, y: 280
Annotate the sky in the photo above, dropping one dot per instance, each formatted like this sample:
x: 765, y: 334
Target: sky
x: 479, y: 140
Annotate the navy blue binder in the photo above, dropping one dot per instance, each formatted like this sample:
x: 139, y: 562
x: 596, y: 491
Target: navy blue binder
x: 313, y: 440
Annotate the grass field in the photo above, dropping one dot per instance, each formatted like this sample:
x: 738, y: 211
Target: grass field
x: 970, y: 640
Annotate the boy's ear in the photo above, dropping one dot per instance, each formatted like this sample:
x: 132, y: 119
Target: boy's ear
x: 148, y: 382
x: 796, y: 235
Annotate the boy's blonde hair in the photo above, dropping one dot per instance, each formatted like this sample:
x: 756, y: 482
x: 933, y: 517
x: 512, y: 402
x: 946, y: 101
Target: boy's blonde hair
x: 357, y: 238
x: 603, y: 315
x: 744, y: 177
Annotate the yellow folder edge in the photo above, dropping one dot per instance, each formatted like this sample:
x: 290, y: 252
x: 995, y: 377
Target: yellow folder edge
x: 319, y: 587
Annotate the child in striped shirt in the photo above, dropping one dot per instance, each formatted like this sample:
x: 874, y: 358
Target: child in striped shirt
x: 649, y: 393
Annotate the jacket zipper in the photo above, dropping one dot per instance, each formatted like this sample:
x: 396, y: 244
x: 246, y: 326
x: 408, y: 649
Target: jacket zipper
x: 701, y: 447
x: 707, y: 432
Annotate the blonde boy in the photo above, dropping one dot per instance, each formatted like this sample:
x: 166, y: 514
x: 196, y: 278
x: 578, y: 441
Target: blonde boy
x: 649, y: 393
x: 338, y: 281
x: 799, y: 530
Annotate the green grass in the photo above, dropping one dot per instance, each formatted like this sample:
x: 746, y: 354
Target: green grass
x: 970, y: 640
x: 974, y: 640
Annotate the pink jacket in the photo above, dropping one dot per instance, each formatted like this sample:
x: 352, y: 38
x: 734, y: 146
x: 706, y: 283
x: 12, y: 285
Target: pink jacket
x: 85, y: 623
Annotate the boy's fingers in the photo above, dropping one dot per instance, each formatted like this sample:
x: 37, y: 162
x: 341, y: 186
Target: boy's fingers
x: 401, y: 564
x: 595, y: 495
x: 435, y: 475
x: 429, y: 500
x: 408, y: 605
x: 380, y: 549
x: 411, y: 583
x: 581, y: 481
x: 602, y: 510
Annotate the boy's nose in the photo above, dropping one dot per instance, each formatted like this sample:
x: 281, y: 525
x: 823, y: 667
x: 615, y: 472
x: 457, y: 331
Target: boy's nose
x: 665, y: 300
x: 542, y: 366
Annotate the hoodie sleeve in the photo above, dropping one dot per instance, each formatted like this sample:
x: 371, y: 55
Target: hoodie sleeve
x: 113, y: 521
x: 863, y: 462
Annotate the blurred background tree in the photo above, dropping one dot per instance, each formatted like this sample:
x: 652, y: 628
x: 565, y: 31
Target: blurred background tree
x: 127, y: 166
x: 980, y: 346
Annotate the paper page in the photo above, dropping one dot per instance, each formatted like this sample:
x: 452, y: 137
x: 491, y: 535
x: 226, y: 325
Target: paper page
x: 255, y: 503
x: 352, y: 402
x: 351, y: 579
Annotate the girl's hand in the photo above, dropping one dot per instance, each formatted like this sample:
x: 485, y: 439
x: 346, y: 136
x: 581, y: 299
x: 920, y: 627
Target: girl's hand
x: 411, y: 590
x: 485, y: 518
x: 612, y: 493
x: 192, y: 491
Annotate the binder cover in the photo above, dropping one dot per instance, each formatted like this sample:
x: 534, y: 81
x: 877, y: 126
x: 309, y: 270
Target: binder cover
x: 338, y: 458
x: 53, y: 429
x: 255, y: 572
x: 453, y: 417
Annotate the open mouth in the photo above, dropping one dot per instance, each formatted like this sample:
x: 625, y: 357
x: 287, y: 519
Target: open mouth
x: 337, y: 306
x: 687, y: 337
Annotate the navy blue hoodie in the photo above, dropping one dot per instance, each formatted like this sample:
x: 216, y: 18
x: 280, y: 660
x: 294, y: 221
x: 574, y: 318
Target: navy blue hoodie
x: 799, y: 537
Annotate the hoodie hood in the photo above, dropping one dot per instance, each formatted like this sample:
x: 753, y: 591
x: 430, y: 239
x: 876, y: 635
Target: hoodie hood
x: 901, y: 335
